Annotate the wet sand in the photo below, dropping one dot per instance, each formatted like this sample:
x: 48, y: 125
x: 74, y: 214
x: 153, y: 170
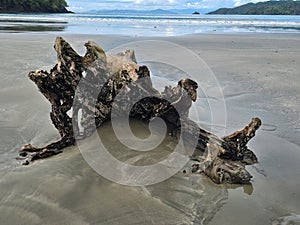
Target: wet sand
x: 259, y: 76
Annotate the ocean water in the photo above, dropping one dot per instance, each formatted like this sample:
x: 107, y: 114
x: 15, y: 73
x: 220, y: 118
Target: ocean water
x: 65, y: 190
x: 148, y: 25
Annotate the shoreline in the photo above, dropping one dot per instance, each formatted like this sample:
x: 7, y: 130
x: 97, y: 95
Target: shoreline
x: 262, y: 60
x: 265, y: 63
x: 59, y: 29
x: 226, y: 34
x: 259, y: 76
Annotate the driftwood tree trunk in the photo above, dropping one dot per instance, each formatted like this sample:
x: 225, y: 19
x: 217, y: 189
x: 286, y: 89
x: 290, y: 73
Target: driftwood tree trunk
x: 72, y: 82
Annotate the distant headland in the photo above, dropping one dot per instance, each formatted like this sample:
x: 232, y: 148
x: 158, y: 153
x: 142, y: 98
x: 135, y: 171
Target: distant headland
x: 33, y: 6
x: 283, y: 7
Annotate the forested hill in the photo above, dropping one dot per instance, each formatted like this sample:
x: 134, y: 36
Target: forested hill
x: 33, y: 6
x: 287, y: 7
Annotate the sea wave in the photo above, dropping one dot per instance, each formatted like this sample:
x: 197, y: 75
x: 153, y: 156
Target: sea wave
x: 180, y: 24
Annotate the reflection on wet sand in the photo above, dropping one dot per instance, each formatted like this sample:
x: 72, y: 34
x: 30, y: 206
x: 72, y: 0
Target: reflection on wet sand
x: 64, y: 189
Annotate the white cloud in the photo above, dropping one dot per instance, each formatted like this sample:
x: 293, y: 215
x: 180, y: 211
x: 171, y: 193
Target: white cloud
x: 209, y: 4
x: 193, y: 4
x: 242, y: 2
x: 155, y: 2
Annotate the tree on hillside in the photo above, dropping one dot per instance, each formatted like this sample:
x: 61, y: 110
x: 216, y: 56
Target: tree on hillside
x: 33, y: 6
x: 274, y: 7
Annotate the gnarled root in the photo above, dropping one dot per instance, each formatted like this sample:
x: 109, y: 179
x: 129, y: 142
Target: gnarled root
x: 71, y: 85
x: 225, y: 162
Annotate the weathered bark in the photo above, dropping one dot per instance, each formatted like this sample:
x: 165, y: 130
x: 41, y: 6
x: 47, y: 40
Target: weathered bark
x: 96, y: 82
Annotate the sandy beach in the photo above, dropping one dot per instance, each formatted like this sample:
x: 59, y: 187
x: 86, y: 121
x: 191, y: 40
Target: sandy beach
x: 258, y: 75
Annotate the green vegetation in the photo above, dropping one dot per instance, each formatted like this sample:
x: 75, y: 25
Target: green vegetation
x: 287, y: 7
x: 33, y: 6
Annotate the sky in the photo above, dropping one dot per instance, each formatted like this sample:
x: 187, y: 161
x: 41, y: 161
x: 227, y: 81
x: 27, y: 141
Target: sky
x: 85, y: 5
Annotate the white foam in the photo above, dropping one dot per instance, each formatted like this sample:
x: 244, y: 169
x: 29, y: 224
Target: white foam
x: 205, y: 20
